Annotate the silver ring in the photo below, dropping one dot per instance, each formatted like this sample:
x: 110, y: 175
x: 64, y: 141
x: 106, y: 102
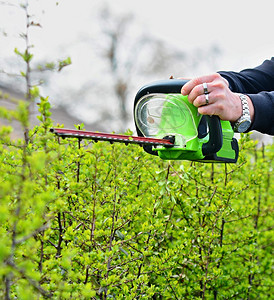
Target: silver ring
x: 207, y: 98
x: 205, y: 88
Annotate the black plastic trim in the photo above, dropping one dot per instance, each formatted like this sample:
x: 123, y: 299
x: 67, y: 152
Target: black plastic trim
x: 215, y: 158
x: 215, y: 142
x: 161, y: 87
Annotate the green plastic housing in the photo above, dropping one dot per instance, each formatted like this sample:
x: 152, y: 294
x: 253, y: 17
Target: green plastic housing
x: 161, y: 115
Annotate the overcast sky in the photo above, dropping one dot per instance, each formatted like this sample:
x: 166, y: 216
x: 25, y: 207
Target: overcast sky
x: 242, y: 29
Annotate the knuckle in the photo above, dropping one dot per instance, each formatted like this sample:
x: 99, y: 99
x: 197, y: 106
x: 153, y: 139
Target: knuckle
x: 196, y: 90
x: 219, y: 96
x: 220, y: 107
x: 218, y: 76
x: 219, y: 83
x: 215, y: 76
x: 196, y: 81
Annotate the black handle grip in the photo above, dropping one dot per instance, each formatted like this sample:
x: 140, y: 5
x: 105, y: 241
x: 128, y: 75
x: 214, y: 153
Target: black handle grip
x: 215, y: 142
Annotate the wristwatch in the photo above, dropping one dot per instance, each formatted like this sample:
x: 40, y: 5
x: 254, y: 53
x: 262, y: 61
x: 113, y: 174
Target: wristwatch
x: 244, y: 122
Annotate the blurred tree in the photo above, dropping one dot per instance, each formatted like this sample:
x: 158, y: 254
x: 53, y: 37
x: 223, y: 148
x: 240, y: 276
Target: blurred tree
x: 133, y: 56
x: 113, y: 57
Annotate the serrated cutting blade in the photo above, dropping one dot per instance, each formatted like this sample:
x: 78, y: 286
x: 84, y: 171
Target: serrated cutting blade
x: 167, y: 141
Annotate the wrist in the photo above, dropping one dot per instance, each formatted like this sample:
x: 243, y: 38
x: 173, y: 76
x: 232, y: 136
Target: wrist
x: 237, y: 111
x: 244, y: 121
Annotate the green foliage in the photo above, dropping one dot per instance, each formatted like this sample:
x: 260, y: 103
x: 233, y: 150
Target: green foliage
x: 26, y: 56
x: 95, y: 221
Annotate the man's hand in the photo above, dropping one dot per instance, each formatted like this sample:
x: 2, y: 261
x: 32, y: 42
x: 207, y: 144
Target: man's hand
x: 221, y: 100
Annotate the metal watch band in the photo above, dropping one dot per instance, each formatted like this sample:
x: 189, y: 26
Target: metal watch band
x: 246, y: 113
x: 243, y: 123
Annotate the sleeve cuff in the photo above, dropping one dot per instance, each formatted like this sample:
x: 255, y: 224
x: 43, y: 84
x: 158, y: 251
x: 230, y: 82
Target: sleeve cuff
x: 263, y: 112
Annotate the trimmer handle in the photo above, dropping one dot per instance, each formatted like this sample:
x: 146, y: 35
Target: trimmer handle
x: 215, y: 142
x: 170, y: 86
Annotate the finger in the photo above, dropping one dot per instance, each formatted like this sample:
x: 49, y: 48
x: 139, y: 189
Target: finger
x: 184, y: 78
x: 212, y: 109
x: 206, y: 110
x: 189, y: 86
x: 199, y: 101
x: 203, y: 100
x: 199, y: 90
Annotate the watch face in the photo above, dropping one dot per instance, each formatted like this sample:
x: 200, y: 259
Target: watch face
x: 244, y: 126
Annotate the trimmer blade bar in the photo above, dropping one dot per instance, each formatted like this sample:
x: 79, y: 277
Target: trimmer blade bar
x: 113, y: 138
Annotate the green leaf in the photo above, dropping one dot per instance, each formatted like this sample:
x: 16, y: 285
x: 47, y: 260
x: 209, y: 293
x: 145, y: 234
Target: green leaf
x: 124, y: 251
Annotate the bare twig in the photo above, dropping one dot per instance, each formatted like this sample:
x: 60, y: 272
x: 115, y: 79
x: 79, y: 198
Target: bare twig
x: 32, y: 282
x: 32, y: 234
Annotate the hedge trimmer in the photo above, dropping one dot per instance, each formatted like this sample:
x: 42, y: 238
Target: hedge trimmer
x: 170, y: 127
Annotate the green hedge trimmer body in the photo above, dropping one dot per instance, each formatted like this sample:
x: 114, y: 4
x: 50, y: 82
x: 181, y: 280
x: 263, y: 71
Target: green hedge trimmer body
x: 170, y: 127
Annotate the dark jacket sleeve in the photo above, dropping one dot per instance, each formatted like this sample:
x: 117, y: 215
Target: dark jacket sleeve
x: 258, y: 84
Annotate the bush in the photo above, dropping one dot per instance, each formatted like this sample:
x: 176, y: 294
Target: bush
x: 90, y: 220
